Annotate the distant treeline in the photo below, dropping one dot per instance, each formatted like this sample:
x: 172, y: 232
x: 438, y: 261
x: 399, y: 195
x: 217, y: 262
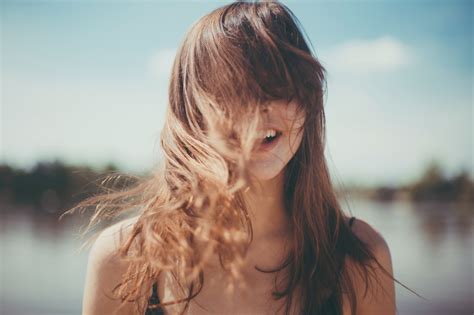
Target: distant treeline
x: 432, y: 185
x: 52, y: 187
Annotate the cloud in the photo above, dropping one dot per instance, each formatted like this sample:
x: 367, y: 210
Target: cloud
x: 159, y: 68
x: 161, y: 62
x: 377, y: 55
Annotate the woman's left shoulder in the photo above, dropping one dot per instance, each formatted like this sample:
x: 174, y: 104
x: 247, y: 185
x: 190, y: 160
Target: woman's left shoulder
x: 370, y: 235
x: 374, y: 301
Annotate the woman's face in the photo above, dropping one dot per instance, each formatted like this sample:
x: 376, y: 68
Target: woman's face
x: 279, y: 139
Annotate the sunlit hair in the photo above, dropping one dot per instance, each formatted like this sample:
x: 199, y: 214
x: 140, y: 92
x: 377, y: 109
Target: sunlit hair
x: 231, y: 64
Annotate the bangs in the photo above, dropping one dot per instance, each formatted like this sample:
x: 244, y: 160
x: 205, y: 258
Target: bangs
x: 247, y: 54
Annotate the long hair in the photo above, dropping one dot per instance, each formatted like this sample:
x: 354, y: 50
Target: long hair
x: 231, y: 63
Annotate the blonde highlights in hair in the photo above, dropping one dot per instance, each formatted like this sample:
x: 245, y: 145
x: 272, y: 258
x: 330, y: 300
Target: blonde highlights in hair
x: 233, y: 62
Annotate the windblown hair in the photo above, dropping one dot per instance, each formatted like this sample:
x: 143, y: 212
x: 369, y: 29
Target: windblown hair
x: 232, y: 62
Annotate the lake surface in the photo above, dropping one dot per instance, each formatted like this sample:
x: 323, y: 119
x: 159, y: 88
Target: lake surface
x: 42, y: 271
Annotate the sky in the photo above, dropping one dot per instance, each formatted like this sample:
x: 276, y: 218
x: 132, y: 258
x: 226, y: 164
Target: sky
x: 85, y: 82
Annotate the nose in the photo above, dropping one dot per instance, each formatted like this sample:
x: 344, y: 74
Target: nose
x: 266, y: 109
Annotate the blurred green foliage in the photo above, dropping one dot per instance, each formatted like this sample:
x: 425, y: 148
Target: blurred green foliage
x: 435, y: 186
x: 53, y: 187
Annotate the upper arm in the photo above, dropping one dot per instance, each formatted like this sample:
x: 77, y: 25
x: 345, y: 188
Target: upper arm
x: 380, y: 295
x: 104, y: 272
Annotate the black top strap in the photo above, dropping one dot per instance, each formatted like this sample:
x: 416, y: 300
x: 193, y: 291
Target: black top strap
x: 351, y: 220
x: 153, y: 300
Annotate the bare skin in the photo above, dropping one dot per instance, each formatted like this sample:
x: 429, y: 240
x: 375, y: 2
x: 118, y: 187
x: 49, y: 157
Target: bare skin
x: 266, y: 251
x: 105, y: 269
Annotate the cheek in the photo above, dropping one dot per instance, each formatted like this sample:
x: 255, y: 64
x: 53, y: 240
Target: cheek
x: 293, y: 117
x: 294, y: 139
x: 296, y: 119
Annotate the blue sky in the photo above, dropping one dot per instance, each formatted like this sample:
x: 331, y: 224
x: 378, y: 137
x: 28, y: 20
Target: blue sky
x: 85, y: 81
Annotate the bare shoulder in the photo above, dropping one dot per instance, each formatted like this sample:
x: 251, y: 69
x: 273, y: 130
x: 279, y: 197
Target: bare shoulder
x: 109, y: 240
x: 379, y: 298
x: 104, y: 270
x: 374, y: 240
x: 369, y: 235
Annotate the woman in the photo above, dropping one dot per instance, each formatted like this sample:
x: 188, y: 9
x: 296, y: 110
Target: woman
x: 241, y: 216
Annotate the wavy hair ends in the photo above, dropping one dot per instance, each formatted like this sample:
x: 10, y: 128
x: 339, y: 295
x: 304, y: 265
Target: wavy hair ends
x: 231, y: 63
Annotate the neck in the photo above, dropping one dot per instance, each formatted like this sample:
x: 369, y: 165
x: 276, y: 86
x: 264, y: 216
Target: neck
x: 267, y: 210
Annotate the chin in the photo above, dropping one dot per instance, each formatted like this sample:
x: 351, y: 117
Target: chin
x: 268, y: 165
x: 267, y: 169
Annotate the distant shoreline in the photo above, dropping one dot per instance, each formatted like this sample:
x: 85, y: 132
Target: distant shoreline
x: 50, y: 188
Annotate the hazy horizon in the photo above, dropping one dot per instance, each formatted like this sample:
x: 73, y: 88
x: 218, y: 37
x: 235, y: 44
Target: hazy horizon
x: 85, y: 82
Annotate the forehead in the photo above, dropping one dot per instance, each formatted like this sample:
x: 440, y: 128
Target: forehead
x: 283, y: 111
x: 281, y: 105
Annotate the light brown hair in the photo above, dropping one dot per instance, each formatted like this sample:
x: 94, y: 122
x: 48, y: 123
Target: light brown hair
x: 231, y: 63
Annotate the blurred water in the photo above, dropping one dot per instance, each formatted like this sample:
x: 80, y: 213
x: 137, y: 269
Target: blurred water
x: 432, y: 253
x: 42, y: 271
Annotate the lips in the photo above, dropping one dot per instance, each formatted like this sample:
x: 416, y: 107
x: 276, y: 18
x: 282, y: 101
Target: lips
x: 269, y: 141
x: 270, y: 136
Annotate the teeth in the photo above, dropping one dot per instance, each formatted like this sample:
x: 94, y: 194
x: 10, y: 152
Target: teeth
x: 270, y: 133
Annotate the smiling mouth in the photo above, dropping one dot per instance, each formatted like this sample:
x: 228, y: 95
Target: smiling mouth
x: 270, y: 139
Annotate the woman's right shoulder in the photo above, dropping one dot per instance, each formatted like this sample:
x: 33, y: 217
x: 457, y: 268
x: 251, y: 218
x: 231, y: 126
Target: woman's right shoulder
x: 109, y: 240
x: 105, y: 268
